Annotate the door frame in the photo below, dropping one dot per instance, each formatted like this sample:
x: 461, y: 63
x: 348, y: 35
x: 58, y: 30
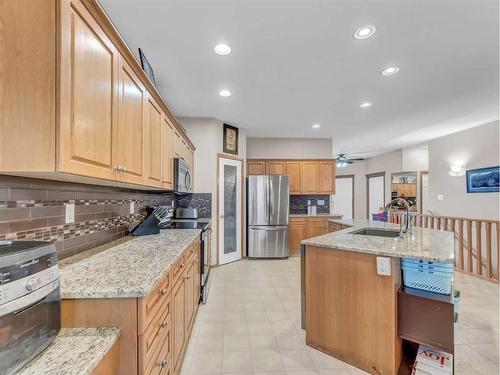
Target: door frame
x: 421, y: 195
x: 368, y: 176
x: 350, y: 176
x: 243, y: 200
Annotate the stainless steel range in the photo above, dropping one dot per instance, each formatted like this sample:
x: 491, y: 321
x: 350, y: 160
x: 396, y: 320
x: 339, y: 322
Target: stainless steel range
x: 187, y: 218
x: 30, y: 301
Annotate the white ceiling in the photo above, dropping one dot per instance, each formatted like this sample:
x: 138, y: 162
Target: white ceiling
x: 296, y: 63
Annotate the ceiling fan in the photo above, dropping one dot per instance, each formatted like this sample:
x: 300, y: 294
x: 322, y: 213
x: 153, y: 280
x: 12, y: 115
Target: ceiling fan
x: 343, y: 161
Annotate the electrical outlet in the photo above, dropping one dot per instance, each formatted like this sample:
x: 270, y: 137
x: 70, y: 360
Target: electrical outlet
x: 132, y: 207
x: 69, y: 213
x: 440, y: 197
x: 320, y: 202
x: 384, y: 266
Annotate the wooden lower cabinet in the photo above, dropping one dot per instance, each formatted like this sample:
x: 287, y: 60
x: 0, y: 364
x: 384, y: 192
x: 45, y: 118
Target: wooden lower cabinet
x: 304, y: 227
x: 155, y: 328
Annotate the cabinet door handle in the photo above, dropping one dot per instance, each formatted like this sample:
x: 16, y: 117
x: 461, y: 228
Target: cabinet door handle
x: 124, y: 169
x: 163, y: 363
x: 182, y: 265
x: 188, y: 277
x: 163, y: 291
x: 163, y: 324
x: 117, y: 168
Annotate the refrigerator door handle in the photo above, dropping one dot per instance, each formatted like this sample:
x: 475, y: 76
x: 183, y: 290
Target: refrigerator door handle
x: 274, y: 228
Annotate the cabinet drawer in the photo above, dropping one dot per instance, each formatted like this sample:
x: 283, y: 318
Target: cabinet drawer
x: 315, y: 220
x: 157, y: 332
x: 179, y: 268
x: 149, y: 305
x: 297, y: 220
x: 161, y: 362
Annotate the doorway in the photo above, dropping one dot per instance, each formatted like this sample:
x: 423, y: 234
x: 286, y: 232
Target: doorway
x: 424, y: 192
x: 229, y: 208
x: 343, y: 199
x: 375, y: 193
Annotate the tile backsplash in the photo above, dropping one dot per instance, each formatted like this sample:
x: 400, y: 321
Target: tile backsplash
x: 201, y: 201
x: 298, y: 203
x: 34, y: 209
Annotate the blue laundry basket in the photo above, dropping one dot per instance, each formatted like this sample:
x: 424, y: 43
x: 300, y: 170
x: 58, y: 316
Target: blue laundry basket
x: 425, y: 275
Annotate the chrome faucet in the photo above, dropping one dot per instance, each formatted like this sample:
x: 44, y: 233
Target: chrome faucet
x: 408, y: 216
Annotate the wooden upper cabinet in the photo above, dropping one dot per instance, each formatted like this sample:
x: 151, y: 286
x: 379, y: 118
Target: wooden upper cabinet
x: 256, y: 168
x: 275, y: 167
x: 310, y: 183
x: 87, y: 95
x: 129, y: 137
x: 326, y: 177
x: 293, y: 169
x: 153, y: 144
x: 168, y: 153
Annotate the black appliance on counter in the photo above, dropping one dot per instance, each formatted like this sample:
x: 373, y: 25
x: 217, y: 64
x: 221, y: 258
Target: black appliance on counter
x: 187, y: 218
x: 156, y: 215
x: 30, y: 301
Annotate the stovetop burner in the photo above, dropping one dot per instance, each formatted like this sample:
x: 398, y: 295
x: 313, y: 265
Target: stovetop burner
x: 194, y: 224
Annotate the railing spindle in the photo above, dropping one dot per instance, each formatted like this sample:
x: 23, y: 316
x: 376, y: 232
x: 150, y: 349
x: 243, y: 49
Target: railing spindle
x: 488, y: 251
x: 461, y: 244
x: 469, y: 246
x: 479, y: 256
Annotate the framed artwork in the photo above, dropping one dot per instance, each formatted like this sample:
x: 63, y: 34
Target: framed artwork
x: 147, y: 67
x: 483, y: 180
x: 230, y: 139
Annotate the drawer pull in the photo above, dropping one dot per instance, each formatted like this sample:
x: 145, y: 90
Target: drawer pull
x: 163, y: 324
x: 163, y: 363
x: 182, y: 265
x: 163, y: 291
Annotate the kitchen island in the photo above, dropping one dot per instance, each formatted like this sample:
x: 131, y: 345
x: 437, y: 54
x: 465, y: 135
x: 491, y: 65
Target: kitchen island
x: 349, y: 310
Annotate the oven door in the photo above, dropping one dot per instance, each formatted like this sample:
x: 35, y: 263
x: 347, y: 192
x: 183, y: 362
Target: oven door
x: 28, y: 325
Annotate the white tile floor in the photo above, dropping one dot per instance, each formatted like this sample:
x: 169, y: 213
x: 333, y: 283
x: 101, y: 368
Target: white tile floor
x: 251, y: 325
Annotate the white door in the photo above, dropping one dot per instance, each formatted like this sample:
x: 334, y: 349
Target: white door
x: 343, y: 198
x: 229, y: 210
x: 375, y: 195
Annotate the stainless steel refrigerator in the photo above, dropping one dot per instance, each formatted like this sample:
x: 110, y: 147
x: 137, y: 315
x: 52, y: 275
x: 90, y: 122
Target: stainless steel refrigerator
x: 267, y: 207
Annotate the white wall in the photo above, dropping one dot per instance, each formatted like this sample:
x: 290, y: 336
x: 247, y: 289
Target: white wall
x: 289, y: 148
x: 389, y: 163
x: 206, y: 135
x: 415, y: 158
x: 475, y: 148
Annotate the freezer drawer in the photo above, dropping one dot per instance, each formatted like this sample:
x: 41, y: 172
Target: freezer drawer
x: 268, y: 241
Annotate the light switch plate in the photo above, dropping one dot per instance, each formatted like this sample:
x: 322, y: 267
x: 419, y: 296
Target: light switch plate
x: 69, y: 213
x: 132, y: 207
x: 384, y: 266
x: 320, y: 202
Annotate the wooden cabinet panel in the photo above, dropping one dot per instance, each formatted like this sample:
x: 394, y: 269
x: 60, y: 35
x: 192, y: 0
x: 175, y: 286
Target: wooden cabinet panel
x: 293, y: 169
x: 168, y: 153
x: 326, y: 177
x: 189, y: 295
x: 153, y: 143
x: 129, y: 135
x: 315, y: 227
x: 275, y: 167
x: 178, y: 321
x: 88, y: 99
x: 310, y: 177
x: 256, y: 168
x: 298, y: 229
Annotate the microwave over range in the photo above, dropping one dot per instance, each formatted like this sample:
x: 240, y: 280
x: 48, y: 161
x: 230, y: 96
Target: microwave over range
x: 183, y: 176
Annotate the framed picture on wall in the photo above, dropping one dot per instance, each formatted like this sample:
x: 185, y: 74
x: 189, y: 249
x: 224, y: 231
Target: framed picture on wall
x: 483, y: 180
x: 147, y: 67
x: 230, y: 139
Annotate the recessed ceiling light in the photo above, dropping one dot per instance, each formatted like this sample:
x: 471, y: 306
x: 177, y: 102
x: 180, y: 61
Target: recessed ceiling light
x: 222, y: 49
x: 364, y: 32
x: 316, y: 126
x: 365, y: 105
x: 389, y: 71
x: 225, y: 93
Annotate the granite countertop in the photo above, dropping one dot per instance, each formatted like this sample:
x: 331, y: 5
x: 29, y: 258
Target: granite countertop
x: 129, y: 269
x: 74, y: 351
x: 317, y: 215
x: 428, y: 244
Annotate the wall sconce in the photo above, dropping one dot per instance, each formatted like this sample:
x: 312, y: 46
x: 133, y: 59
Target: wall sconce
x: 456, y: 170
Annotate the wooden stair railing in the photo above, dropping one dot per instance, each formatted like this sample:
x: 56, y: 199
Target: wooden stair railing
x: 477, y: 241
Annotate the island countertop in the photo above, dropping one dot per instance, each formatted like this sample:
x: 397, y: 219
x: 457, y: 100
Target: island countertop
x: 74, y: 351
x: 131, y: 269
x: 427, y: 244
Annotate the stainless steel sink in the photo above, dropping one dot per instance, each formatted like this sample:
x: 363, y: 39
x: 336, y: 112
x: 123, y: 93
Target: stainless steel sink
x: 377, y: 232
